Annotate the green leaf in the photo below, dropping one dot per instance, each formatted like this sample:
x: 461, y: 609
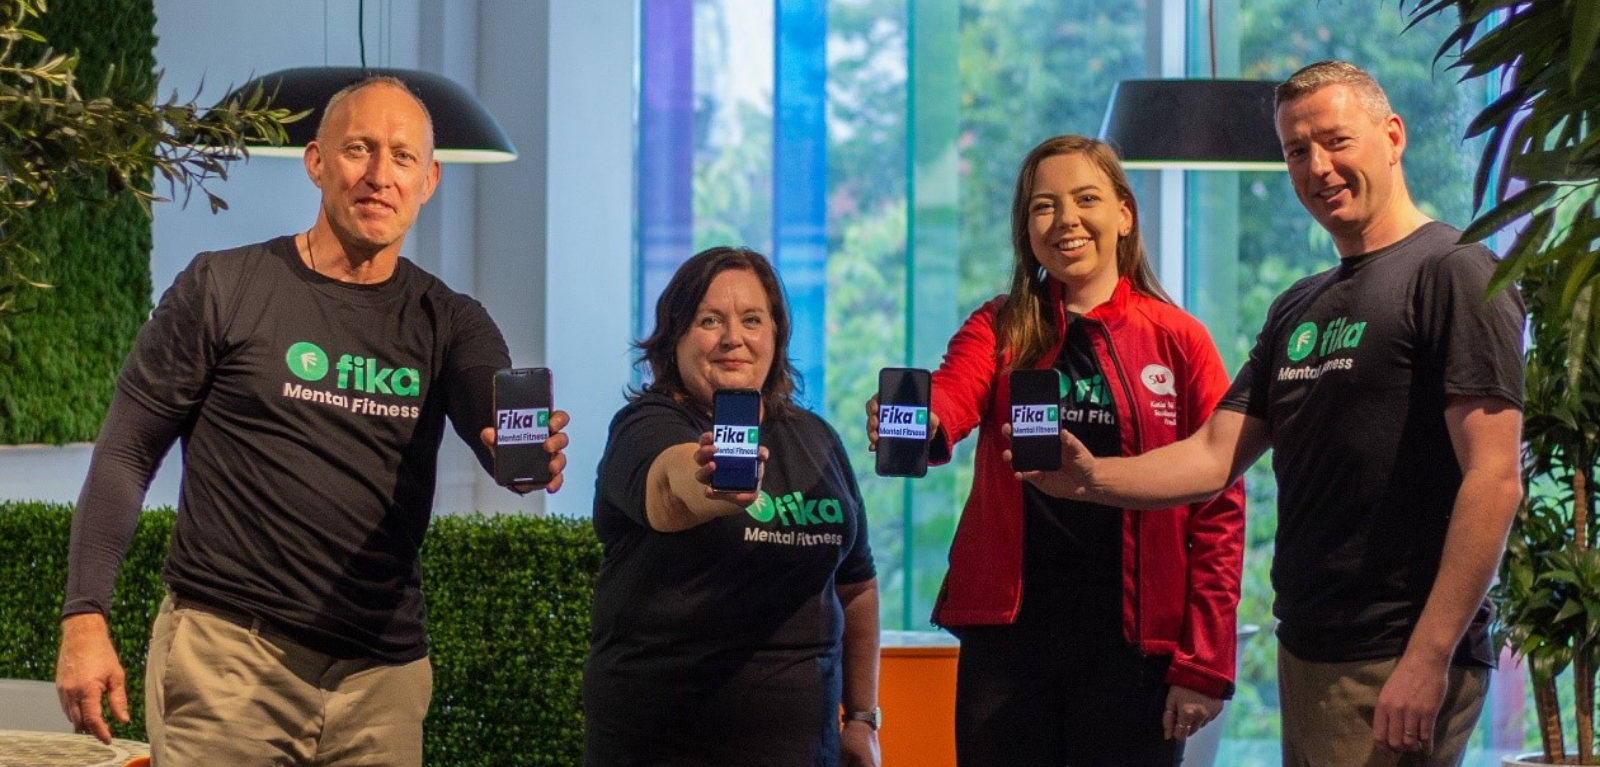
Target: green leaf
x: 1524, y: 252
x: 1480, y: 179
x: 1579, y: 270
x: 1519, y: 205
x: 1585, y: 34
x: 1579, y: 325
x: 1498, y: 113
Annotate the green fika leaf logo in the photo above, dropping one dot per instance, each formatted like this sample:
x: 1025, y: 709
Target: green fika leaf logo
x: 763, y: 509
x: 307, y: 361
x: 795, y: 510
x: 921, y: 417
x: 1050, y: 414
x: 1302, y: 341
x: 544, y: 418
x: 753, y: 436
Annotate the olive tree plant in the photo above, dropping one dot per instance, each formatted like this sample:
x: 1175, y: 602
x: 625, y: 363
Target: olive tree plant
x: 52, y: 138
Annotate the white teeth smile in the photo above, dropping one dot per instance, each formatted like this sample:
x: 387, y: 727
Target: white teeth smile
x: 1074, y: 244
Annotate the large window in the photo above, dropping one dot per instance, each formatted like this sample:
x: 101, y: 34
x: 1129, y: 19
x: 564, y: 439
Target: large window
x: 929, y: 107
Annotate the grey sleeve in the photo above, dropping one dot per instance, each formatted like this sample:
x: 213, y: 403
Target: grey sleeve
x: 126, y: 455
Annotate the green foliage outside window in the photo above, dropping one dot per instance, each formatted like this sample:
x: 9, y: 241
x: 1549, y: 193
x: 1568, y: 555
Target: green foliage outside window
x: 508, y: 624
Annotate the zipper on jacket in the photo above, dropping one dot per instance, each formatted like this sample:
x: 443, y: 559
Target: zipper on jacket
x: 1138, y: 447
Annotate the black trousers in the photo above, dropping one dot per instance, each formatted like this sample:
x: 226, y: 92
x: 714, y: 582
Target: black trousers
x: 1043, y: 695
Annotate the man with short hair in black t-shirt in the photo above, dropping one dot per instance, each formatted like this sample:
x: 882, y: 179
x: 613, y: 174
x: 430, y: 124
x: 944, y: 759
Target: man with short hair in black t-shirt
x: 309, y: 378
x: 1390, y: 388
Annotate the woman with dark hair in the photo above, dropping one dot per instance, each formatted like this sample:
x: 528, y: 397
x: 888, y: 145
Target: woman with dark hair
x: 1089, y: 635
x: 728, y: 628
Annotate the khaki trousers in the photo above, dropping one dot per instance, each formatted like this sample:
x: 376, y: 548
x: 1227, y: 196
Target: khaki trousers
x: 221, y: 689
x: 1328, y: 708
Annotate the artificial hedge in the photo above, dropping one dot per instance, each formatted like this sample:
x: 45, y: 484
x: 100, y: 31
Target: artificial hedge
x: 508, y: 620
x: 60, y: 351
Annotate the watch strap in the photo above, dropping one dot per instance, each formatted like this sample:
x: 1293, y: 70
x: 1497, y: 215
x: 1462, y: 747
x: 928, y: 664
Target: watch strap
x: 873, y: 718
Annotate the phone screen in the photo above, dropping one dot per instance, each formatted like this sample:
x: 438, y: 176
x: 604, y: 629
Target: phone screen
x: 522, y: 403
x: 903, y: 422
x: 1035, y: 420
x: 736, y: 430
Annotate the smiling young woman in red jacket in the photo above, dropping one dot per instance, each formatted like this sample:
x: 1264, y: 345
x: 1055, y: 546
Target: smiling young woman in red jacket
x: 1089, y: 635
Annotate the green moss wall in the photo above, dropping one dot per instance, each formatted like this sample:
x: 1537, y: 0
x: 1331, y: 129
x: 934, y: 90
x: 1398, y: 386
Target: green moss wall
x: 59, y: 361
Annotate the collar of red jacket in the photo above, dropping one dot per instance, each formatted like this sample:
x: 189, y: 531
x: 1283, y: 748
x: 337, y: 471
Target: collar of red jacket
x: 1113, y: 309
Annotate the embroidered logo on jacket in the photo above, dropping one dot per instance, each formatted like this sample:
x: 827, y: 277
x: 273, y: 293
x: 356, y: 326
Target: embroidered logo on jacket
x: 1159, y: 380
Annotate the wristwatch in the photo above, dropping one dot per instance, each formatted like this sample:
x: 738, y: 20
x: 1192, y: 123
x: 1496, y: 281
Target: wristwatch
x: 873, y: 718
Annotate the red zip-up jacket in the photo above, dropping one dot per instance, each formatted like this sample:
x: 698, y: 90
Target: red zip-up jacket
x: 1180, y: 566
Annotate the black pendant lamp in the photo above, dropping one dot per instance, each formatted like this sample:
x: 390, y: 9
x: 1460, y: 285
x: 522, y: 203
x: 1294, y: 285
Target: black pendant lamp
x: 1193, y: 125
x: 463, y: 130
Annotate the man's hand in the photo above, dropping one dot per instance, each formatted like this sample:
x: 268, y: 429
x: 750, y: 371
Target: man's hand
x: 1187, y: 711
x: 1408, y: 705
x: 706, y: 466
x: 1074, y: 477
x: 86, y: 670
x: 858, y: 746
x: 554, y: 445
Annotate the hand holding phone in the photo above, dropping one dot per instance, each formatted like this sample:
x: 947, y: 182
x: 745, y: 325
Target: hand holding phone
x: 903, y: 422
x: 1035, y: 420
x: 522, y: 402
x: 736, y: 434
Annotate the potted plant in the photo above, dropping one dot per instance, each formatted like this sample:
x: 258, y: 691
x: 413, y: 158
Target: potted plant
x: 1548, y: 592
x: 1542, y: 160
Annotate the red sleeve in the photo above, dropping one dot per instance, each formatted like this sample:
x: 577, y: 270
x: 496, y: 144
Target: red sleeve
x: 964, y: 382
x: 1206, y: 653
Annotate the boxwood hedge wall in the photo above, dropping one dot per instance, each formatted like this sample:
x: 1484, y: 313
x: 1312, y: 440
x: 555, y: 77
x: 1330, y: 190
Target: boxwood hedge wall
x: 508, y: 618
x: 60, y: 352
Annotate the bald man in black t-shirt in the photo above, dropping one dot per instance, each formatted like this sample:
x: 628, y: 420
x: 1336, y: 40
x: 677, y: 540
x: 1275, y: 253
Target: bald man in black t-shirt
x: 309, y: 378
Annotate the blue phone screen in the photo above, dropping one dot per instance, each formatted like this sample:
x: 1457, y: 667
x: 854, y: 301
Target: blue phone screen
x: 736, y: 431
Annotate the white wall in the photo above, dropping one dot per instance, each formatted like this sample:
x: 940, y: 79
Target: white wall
x: 559, y: 78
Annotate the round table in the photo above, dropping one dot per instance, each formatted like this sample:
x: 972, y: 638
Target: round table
x: 28, y: 748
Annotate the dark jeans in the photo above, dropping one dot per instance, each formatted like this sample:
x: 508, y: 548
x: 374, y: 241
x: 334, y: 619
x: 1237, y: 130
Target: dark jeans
x: 1047, y: 696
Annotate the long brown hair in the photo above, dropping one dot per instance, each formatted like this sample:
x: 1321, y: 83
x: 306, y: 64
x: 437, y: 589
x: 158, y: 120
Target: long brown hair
x: 1025, y: 327
x: 675, y: 312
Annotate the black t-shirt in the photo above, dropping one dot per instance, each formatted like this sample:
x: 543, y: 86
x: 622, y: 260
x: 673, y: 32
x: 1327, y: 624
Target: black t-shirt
x: 314, y: 412
x: 733, y: 625
x: 1351, y: 373
x: 1072, y: 551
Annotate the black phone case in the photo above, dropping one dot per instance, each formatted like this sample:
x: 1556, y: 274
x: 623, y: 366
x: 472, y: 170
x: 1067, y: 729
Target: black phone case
x: 900, y: 390
x: 739, y: 412
x: 522, y: 404
x: 1035, y: 401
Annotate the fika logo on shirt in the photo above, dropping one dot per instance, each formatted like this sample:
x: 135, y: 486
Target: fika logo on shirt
x: 1338, y: 334
x: 309, y: 362
x: 794, y: 509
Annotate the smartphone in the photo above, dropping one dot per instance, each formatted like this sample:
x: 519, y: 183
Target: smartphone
x: 903, y: 422
x: 736, y: 431
x: 1035, y: 420
x: 521, y: 425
